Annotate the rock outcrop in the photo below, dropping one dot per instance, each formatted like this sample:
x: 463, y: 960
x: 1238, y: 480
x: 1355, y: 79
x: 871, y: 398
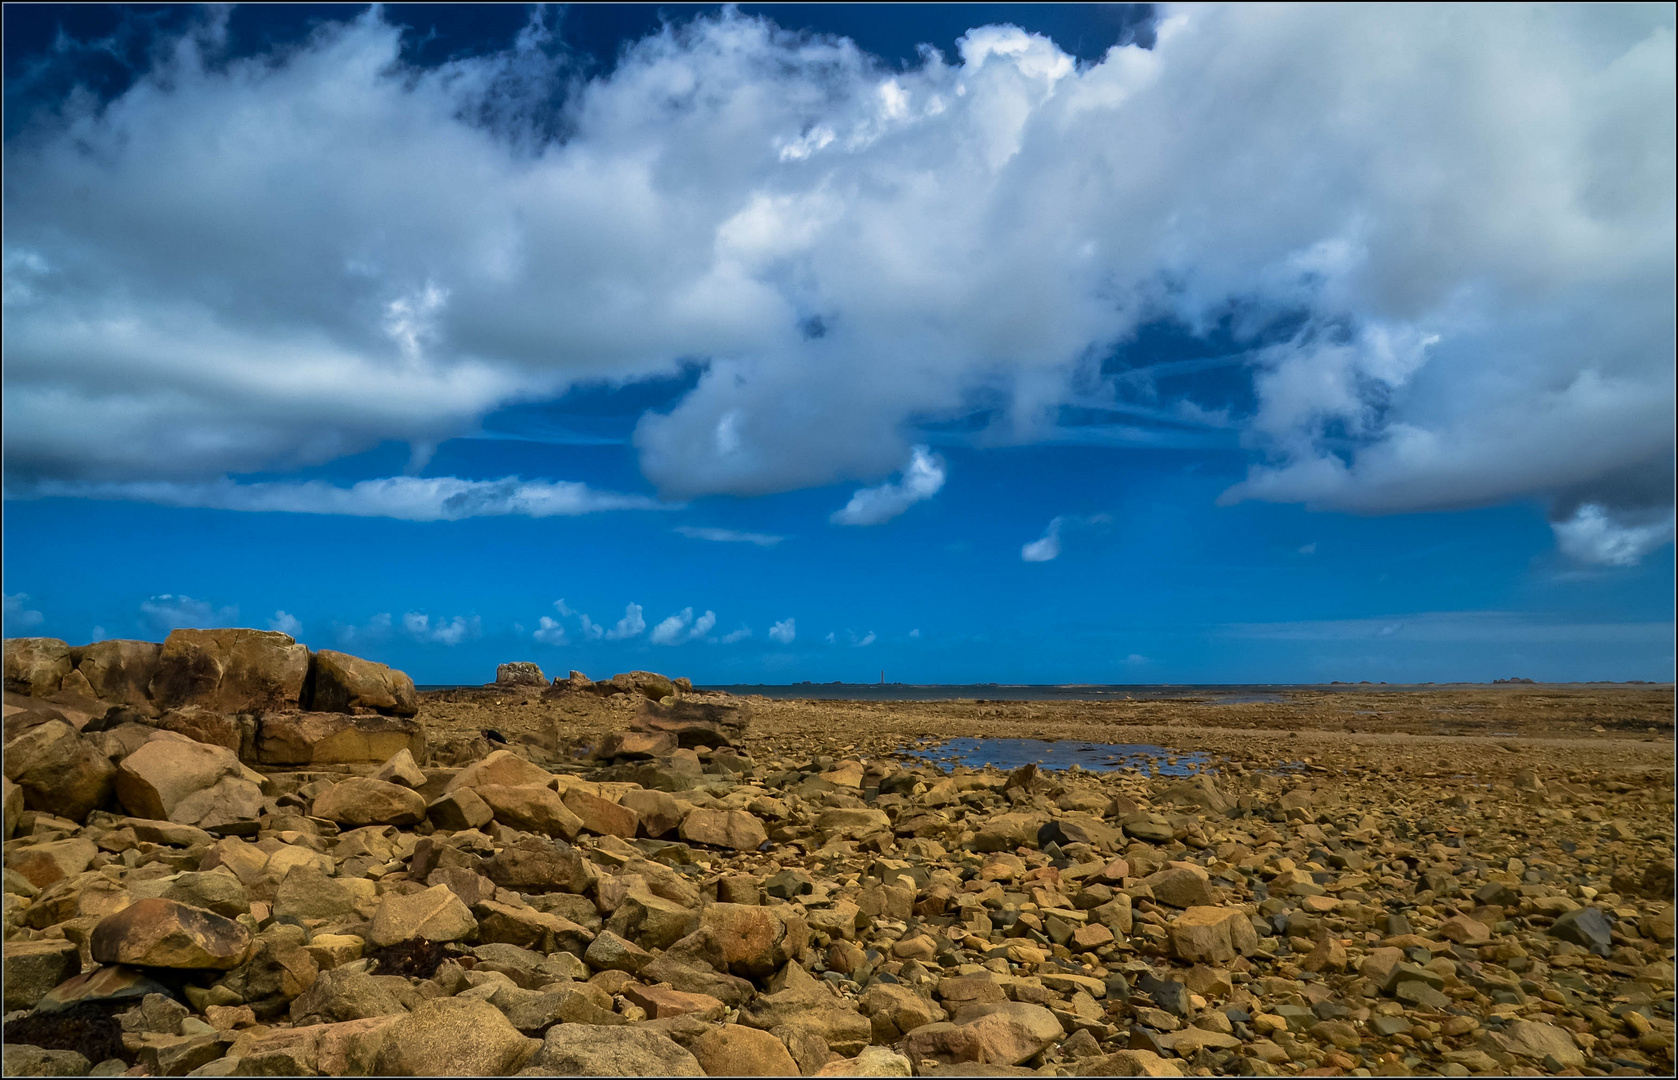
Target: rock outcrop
x: 339, y: 682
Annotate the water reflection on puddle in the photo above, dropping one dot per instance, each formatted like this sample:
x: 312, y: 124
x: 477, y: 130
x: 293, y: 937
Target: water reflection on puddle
x: 1009, y: 754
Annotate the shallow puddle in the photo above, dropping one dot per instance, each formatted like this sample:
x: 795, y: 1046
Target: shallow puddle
x: 1010, y: 754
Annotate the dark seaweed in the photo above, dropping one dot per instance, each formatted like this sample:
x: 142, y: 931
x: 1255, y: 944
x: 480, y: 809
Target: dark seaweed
x: 89, y: 1029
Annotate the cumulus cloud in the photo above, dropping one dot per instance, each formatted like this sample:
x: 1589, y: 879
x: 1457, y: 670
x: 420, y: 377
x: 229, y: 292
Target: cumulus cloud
x: 1047, y: 547
x: 549, y: 631
x: 922, y: 479
x: 286, y: 623
x: 378, y: 628
x: 170, y: 612
x: 444, y: 631
x: 867, y: 639
x: 784, y: 632
x: 627, y: 627
x: 1467, y: 212
x: 683, y: 627
x: 1591, y: 535
x: 915, y: 633
x: 17, y: 615
x: 729, y: 536
x: 409, y: 498
x: 737, y: 635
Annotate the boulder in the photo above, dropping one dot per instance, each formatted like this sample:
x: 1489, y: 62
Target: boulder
x: 1212, y: 935
x: 1005, y: 832
x: 1130, y: 1063
x: 602, y: 817
x: 205, y: 725
x: 658, y: 812
x: 735, y: 829
x: 158, y: 777
x: 736, y: 1050
x: 756, y: 941
x: 534, y: 865
x: 589, y: 1050
x: 122, y: 671
x: 232, y: 671
x: 435, y: 914
x: 873, y: 1061
x: 325, y: 738
x: 458, y: 810
x: 695, y: 723
x: 361, y: 800
x: 12, y: 797
x: 164, y: 933
x: 636, y: 745
x: 22, y: 1059
x: 531, y: 808
x: 339, y: 682
x: 520, y: 673
x: 649, y: 684
x: 1587, y: 928
x: 344, y: 994
x: 1010, y: 1032
x: 401, y: 769
x: 59, y: 770
x: 34, y: 967
x: 1537, y: 1041
x: 230, y: 800
x: 36, y: 666
x: 454, y: 1037
x: 43, y: 864
x: 1182, y: 887
x: 502, y: 767
x: 663, y: 1001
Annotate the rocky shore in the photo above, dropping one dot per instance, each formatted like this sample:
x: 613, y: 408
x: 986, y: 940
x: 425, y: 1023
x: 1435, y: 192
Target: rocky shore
x: 227, y: 855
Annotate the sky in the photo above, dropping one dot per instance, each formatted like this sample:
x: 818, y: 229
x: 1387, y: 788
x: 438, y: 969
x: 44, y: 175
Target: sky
x: 769, y: 343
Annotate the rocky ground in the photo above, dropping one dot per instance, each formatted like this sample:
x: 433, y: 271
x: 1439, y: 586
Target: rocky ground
x: 576, y: 880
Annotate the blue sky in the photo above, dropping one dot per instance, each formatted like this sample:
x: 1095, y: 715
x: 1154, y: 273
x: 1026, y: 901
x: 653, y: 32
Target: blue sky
x: 1092, y: 343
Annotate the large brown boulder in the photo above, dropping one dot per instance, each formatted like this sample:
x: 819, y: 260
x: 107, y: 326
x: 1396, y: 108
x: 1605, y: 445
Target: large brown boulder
x: 122, y: 671
x: 454, y: 1037
x: 163, y: 933
x: 59, y: 770
x: 649, y: 684
x: 233, y: 671
x: 361, y: 800
x: 339, y: 682
x: 331, y: 738
x: 170, y: 771
x: 520, y: 673
x: 695, y: 723
x: 36, y: 665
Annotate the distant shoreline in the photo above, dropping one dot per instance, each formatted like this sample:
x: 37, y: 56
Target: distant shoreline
x: 1222, y: 693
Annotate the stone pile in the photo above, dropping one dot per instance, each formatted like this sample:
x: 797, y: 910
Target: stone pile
x: 679, y: 907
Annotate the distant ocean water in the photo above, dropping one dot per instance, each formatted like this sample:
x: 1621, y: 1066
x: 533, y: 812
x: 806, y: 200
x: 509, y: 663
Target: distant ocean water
x: 1002, y: 692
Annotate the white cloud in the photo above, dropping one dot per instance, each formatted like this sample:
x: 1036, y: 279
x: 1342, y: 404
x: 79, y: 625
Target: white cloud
x: 683, y: 627
x: 915, y: 633
x: 443, y: 631
x: 867, y: 639
x: 286, y: 624
x: 1046, y: 548
x: 830, y: 638
x: 627, y: 627
x: 784, y: 631
x: 169, y: 612
x: 729, y: 536
x: 1308, y: 549
x: 18, y: 617
x: 1470, y: 206
x: 737, y: 635
x: 1591, y: 535
x: 409, y: 498
x: 922, y: 478
x: 96, y: 634
x: 549, y: 631
x: 378, y: 628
